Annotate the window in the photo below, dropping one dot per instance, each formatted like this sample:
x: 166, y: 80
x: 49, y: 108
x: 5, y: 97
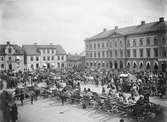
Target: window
x: 48, y: 51
x: 163, y: 40
x: 148, y: 52
x: 10, y: 58
x: 52, y: 51
x: 163, y: 52
x: 91, y: 64
x: 110, y: 44
x: 95, y: 54
x: 31, y: 58
x: 58, y: 64
x: 134, y: 52
x: 141, y: 52
x: 141, y: 65
x: 91, y: 54
x: 2, y: 66
x: 87, y: 46
x: 120, y: 43
x: 107, y: 44
x: 103, y: 64
x: 102, y: 45
x: 148, y: 41
x: 115, y: 53
x: 90, y: 46
x: 32, y: 66
x: 62, y: 65
x: 62, y: 58
x: 58, y: 57
x: 98, y: 45
x: 107, y: 54
x: 94, y: 63
x: 43, y: 50
x: 115, y: 43
x: 52, y: 57
x: 110, y: 53
x: 128, y: 53
x: 134, y: 42
x: 2, y: 58
x: 44, y: 58
x: 48, y: 58
x: 37, y: 65
x: 155, y: 41
x: 128, y: 43
x: 95, y: 46
x: 9, y: 50
x: 103, y: 54
x: 141, y: 41
x: 155, y: 52
x: 98, y: 54
x: 121, y: 53
x: 37, y: 58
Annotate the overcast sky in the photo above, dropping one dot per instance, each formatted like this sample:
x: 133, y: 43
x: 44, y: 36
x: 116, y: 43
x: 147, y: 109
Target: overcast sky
x: 69, y: 22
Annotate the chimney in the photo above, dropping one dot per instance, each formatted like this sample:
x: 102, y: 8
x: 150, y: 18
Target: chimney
x: 50, y: 44
x: 8, y: 43
x: 161, y: 19
x: 143, y: 22
x: 116, y: 27
x: 35, y: 43
x: 104, y: 29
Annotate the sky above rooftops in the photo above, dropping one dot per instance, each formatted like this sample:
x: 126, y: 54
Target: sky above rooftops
x: 69, y: 22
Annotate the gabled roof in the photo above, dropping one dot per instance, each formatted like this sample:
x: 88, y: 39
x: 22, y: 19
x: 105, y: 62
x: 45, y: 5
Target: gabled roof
x: 137, y: 29
x: 34, y: 49
x: 18, y: 49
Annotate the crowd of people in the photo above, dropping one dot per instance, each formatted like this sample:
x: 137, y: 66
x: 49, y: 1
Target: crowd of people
x: 124, y: 91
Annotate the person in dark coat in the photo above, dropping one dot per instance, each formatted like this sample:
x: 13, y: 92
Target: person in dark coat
x: 21, y: 97
x: 14, y: 113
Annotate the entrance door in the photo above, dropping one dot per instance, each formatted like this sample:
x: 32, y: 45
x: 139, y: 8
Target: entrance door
x: 10, y: 66
x: 116, y: 65
x: 48, y: 65
x: 163, y: 65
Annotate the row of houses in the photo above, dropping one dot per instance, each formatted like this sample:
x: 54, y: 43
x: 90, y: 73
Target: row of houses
x: 136, y: 48
x: 14, y: 57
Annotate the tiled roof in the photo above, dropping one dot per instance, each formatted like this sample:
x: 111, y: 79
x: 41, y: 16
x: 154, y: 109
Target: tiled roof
x: 30, y: 50
x: 33, y: 49
x: 18, y: 49
x: 138, y: 29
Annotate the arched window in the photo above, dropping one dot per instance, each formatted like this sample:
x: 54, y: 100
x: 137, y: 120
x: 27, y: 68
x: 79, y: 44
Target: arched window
x: 156, y: 66
x: 141, y: 65
x: 134, y: 65
x: 148, y: 66
x: 128, y: 65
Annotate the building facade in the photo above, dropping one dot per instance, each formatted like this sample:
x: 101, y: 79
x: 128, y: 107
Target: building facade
x: 44, y: 56
x: 77, y: 61
x: 135, y: 48
x: 11, y: 57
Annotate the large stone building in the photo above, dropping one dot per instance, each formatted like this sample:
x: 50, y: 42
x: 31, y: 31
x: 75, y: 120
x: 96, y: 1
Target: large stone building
x: 40, y: 56
x: 11, y: 57
x: 136, y: 48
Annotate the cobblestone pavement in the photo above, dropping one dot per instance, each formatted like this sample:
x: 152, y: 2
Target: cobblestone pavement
x: 51, y: 110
